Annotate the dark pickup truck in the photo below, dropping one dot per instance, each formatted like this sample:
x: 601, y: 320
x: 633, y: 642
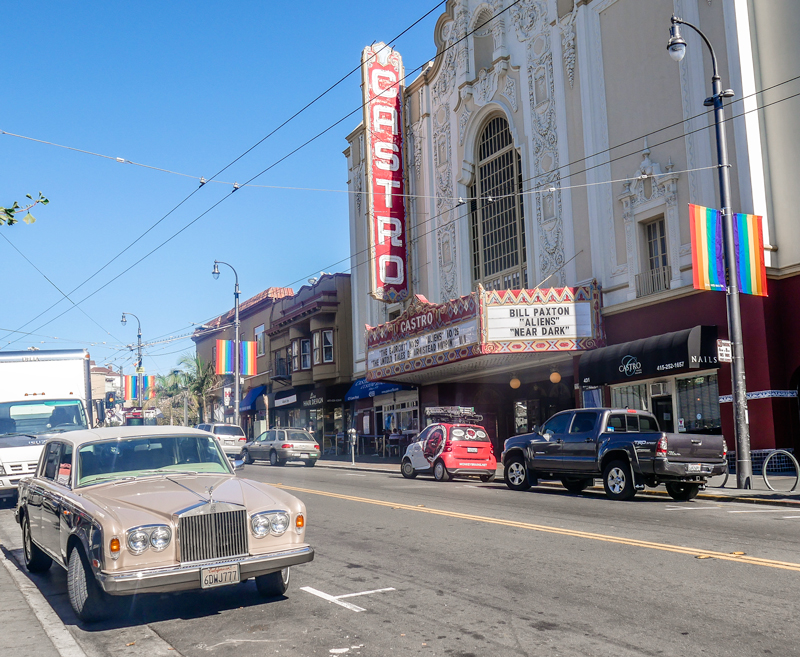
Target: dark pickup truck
x: 625, y: 447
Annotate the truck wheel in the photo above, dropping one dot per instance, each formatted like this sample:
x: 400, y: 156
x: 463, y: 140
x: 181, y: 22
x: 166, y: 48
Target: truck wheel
x: 89, y: 602
x: 247, y: 458
x: 36, y: 561
x: 407, y: 470
x: 576, y: 484
x: 618, y: 481
x: 440, y: 472
x: 517, y: 475
x: 274, y: 584
x: 682, y: 492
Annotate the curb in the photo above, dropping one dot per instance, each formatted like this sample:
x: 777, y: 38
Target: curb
x: 59, y: 635
x: 652, y: 493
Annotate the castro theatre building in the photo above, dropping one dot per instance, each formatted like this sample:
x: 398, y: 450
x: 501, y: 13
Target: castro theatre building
x: 519, y: 220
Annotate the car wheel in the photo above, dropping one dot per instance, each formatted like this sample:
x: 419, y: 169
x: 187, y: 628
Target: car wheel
x: 682, y: 492
x: 517, y: 475
x: 488, y: 477
x: 273, y: 458
x: 89, y: 602
x: 248, y: 460
x: 274, y: 584
x: 618, y: 481
x: 311, y: 463
x: 440, y: 472
x: 36, y: 561
x: 576, y: 484
x: 407, y: 470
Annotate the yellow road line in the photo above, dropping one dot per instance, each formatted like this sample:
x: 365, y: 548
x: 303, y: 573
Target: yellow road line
x: 694, y: 552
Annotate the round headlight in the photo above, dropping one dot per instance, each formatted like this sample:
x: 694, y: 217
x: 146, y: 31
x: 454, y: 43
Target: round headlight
x: 137, y: 541
x: 280, y: 523
x: 160, y: 538
x: 260, y: 525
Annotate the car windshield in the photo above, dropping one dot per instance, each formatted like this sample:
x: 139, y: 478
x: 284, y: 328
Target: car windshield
x: 299, y: 436
x: 469, y: 433
x: 136, y: 457
x: 228, y: 430
x: 41, y: 416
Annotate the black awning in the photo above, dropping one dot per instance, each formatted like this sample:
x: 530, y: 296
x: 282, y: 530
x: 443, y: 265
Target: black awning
x: 661, y: 355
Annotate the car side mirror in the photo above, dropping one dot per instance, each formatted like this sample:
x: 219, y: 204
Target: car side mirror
x: 238, y: 465
x: 547, y: 434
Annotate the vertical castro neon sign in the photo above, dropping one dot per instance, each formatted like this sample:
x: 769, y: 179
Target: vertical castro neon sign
x: 382, y: 71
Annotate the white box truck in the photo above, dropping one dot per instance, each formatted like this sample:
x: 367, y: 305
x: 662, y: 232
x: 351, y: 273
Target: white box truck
x: 42, y: 393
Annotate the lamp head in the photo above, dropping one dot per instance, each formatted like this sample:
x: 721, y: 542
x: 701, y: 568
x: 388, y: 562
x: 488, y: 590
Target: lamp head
x: 124, y: 319
x: 555, y: 376
x: 515, y: 382
x: 215, y: 271
x: 676, y: 45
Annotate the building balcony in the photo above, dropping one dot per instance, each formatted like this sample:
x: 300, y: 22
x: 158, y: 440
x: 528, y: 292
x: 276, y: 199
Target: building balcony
x: 653, y: 280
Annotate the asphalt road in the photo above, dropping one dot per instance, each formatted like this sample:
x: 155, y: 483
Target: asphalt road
x: 470, y: 569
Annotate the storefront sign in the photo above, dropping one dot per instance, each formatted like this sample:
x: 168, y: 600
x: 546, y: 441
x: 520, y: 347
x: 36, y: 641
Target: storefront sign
x: 311, y: 400
x: 382, y: 73
x: 285, y: 401
x: 552, y: 319
x: 428, y: 344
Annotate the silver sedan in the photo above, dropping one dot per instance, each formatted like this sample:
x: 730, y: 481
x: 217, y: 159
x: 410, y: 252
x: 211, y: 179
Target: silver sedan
x: 281, y: 445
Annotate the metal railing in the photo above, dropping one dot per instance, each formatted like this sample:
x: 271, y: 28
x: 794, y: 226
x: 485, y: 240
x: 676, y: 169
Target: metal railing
x: 653, y: 280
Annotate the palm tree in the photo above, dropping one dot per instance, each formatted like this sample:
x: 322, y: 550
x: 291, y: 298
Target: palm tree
x: 199, y: 378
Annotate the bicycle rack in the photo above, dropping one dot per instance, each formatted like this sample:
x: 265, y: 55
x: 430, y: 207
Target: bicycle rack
x: 791, y: 458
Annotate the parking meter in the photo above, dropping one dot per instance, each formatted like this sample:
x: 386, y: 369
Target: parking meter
x: 352, y: 433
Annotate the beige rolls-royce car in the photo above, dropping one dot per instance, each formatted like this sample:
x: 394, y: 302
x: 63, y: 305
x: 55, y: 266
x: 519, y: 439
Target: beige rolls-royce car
x: 129, y: 510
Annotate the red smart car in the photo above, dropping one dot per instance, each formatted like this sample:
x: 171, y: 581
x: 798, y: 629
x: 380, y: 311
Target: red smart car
x: 451, y: 449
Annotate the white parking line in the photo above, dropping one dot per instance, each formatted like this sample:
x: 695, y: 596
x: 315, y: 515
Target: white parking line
x: 690, y: 508
x: 790, y: 517
x: 337, y: 599
x: 758, y: 511
x: 352, y: 474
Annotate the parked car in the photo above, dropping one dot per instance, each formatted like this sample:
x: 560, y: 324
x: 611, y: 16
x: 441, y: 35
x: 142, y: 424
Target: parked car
x: 130, y: 510
x: 281, y: 445
x: 449, y: 450
x: 230, y: 436
x: 623, y: 446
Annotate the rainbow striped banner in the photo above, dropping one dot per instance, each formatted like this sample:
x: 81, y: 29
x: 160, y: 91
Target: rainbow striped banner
x: 749, y: 240
x: 248, y: 358
x: 224, y: 362
x: 131, y: 387
x: 708, y: 257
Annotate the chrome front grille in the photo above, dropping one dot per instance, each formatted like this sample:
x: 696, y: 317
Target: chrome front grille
x: 213, y: 536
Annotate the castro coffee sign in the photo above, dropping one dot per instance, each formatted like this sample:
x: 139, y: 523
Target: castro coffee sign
x: 382, y: 72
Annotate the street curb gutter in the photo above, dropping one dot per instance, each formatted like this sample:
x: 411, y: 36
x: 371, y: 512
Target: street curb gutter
x: 59, y: 635
x: 712, y: 497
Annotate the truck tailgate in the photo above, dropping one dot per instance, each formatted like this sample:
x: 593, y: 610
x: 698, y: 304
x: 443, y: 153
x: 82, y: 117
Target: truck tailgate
x: 694, y: 448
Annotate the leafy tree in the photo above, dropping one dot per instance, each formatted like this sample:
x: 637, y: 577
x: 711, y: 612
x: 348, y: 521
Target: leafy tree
x: 200, y: 379
x: 9, y: 215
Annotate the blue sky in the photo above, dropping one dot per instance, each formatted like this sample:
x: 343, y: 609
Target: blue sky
x: 186, y: 87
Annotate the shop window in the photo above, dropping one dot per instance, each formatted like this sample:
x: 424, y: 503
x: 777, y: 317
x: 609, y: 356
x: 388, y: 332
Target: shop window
x: 497, y: 217
x: 698, y: 404
x: 632, y: 396
x: 317, y: 350
x: 305, y: 354
x: 261, y: 340
x: 327, y: 346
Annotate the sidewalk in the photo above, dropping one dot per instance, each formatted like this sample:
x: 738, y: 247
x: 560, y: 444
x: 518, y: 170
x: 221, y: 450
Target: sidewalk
x: 759, y: 494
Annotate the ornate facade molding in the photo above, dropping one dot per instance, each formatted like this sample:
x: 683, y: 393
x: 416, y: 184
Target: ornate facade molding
x: 567, y: 26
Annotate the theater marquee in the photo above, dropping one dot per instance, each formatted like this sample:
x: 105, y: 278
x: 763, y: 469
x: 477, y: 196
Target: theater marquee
x: 484, y: 324
x: 382, y: 83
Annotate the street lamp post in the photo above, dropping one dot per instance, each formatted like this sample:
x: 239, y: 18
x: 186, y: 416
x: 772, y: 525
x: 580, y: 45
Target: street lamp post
x: 236, y: 382
x: 677, y: 50
x: 139, y: 365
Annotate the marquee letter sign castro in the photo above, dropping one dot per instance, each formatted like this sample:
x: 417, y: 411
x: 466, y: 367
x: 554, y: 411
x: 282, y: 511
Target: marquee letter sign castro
x: 382, y: 70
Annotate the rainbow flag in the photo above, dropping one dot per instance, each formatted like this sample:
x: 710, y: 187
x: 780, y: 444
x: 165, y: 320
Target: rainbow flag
x: 224, y: 361
x: 131, y: 386
x: 708, y: 257
x: 248, y: 358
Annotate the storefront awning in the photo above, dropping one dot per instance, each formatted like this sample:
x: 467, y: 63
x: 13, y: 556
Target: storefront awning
x: 660, y: 355
x: 362, y: 389
x: 249, y: 401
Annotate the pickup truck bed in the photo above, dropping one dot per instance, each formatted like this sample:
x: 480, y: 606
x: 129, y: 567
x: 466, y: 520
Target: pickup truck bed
x: 625, y: 447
